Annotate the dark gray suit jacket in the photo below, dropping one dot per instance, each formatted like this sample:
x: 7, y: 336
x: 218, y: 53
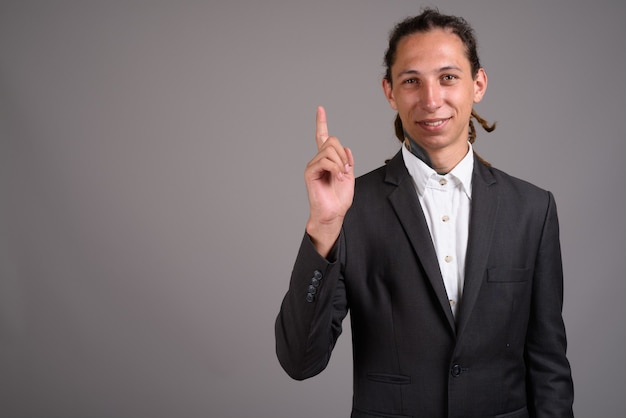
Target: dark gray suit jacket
x: 504, y: 354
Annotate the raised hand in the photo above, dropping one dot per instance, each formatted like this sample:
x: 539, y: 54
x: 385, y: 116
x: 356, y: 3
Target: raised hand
x: 329, y: 178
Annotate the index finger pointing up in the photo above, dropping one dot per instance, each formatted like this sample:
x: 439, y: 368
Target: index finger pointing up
x: 321, y: 127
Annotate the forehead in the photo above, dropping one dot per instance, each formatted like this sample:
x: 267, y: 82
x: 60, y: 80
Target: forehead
x: 436, y: 48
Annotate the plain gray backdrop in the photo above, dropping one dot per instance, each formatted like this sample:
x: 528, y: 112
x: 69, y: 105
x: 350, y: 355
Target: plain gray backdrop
x: 152, y: 196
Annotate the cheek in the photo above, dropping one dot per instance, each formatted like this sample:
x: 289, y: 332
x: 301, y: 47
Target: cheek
x: 461, y: 99
x: 405, y: 101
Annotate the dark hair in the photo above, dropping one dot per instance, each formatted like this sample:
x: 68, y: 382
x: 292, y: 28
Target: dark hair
x: 426, y: 21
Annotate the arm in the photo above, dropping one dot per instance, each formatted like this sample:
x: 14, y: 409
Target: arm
x: 550, y: 387
x: 309, y: 321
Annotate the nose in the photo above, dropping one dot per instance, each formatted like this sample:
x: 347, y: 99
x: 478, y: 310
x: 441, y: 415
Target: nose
x: 431, y: 97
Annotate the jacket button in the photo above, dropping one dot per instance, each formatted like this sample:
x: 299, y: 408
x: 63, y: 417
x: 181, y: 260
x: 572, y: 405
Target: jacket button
x: 455, y: 371
x: 310, y: 298
x: 317, y: 275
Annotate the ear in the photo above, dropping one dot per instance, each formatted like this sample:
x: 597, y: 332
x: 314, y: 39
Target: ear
x: 388, y: 90
x: 480, y: 85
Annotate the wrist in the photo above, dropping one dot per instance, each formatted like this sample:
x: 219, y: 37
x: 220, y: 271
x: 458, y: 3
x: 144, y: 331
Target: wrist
x: 323, y: 235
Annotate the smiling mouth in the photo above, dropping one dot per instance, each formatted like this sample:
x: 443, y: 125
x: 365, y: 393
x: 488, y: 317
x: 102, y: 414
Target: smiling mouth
x: 433, y: 123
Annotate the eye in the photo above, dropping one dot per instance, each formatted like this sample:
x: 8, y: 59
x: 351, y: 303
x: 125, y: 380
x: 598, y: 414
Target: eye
x: 449, y: 78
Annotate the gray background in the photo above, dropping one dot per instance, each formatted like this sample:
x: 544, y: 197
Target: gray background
x: 152, y: 197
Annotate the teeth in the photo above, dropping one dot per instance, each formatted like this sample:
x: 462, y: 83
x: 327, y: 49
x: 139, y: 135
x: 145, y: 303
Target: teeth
x: 433, y: 123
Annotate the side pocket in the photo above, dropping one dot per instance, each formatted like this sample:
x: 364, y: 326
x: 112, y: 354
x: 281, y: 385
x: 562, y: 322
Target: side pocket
x: 363, y: 414
x: 520, y: 413
x: 394, y: 379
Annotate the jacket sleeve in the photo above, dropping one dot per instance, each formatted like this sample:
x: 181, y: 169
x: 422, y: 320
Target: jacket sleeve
x: 550, y: 387
x: 310, y: 317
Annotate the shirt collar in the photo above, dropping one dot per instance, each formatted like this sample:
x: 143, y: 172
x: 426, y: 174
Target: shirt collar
x: 422, y: 173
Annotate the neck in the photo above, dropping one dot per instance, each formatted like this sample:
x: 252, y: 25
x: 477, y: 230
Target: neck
x: 442, y: 162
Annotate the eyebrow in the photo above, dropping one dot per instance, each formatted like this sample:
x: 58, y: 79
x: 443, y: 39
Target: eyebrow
x: 440, y: 70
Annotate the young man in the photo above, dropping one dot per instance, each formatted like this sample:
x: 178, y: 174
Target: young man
x: 451, y: 269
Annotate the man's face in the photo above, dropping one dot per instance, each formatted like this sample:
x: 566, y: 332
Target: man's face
x: 433, y: 90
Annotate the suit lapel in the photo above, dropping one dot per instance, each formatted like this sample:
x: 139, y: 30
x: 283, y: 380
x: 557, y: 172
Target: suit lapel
x: 482, y: 220
x: 404, y: 201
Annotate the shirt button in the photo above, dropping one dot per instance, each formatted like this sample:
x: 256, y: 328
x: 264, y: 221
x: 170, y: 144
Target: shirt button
x: 445, y: 218
x: 448, y: 259
x: 452, y: 302
x: 443, y: 182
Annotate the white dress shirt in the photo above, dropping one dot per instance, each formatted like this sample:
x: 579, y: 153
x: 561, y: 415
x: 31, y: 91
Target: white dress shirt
x: 445, y: 200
